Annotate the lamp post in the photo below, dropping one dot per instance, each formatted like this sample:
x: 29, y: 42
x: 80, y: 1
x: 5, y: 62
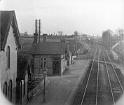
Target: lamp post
x: 44, y: 77
x: 44, y: 90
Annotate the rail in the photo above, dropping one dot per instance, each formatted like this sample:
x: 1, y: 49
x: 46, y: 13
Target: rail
x: 115, y: 71
x: 112, y: 70
x: 88, y: 79
x: 109, y: 82
x: 97, y: 79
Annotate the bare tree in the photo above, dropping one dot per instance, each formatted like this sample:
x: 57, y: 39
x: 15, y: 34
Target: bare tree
x: 121, y: 33
x: 60, y: 33
x: 76, y: 33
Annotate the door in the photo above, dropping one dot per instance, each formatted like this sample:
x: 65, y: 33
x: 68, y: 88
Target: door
x: 5, y: 89
x: 10, y: 90
x: 56, y: 67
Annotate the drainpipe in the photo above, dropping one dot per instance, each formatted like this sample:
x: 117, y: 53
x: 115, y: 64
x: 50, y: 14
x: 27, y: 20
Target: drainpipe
x: 0, y: 31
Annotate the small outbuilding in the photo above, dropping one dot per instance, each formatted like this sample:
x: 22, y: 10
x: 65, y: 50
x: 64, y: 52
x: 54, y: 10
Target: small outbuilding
x: 50, y: 56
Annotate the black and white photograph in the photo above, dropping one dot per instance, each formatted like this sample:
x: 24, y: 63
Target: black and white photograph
x: 61, y: 52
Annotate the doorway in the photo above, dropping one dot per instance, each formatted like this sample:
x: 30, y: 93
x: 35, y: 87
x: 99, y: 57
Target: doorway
x: 5, y: 89
x: 56, y: 67
x: 10, y: 90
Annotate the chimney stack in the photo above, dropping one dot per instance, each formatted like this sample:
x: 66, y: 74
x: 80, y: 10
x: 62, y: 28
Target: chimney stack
x: 36, y: 26
x: 35, y: 34
x: 39, y: 32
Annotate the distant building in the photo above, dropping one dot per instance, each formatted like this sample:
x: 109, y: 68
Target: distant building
x: 107, y: 39
x: 9, y: 44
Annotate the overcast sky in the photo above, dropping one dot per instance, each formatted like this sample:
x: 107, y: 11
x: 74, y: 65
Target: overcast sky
x: 85, y: 16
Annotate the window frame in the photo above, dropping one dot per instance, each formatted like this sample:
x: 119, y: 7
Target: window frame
x: 43, y: 62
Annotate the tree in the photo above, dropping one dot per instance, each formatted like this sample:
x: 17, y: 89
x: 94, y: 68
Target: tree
x: 76, y: 33
x: 60, y: 33
x: 25, y: 33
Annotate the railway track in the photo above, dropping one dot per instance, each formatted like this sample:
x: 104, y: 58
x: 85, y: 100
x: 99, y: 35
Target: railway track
x: 114, y: 81
x: 81, y: 91
x: 116, y: 73
x: 102, y: 84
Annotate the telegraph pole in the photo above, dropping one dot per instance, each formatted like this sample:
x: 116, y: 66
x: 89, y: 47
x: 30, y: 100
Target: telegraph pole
x: 44, y: 95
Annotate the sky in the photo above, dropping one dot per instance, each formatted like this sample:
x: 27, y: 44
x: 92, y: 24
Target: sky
x: 85, y: 16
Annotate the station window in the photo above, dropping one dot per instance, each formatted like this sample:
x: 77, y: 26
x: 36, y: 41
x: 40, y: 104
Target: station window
x: 8, y: 57
x: 43, y: 63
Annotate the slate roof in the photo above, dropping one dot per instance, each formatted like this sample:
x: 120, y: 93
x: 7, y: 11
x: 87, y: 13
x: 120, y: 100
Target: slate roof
x: 26, y: 43
x: 8, y: 18
x: 47, y: 48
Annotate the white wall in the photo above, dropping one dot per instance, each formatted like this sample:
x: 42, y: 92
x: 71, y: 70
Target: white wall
x: 9, y: 74
x: 63, y: 65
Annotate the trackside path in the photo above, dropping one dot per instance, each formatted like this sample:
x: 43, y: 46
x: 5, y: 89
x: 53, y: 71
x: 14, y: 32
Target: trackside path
x: 61, y: 89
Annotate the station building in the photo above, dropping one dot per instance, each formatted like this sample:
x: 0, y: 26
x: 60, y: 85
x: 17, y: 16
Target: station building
x: 9, y: 44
